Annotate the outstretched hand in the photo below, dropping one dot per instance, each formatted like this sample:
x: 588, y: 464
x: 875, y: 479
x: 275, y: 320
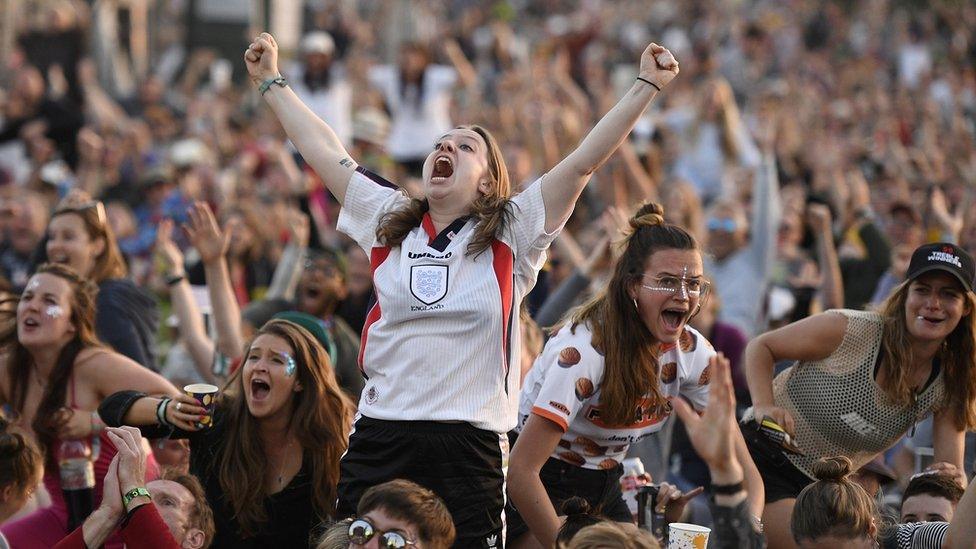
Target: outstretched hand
x: 658, y: 65
x: 711, y: 434
x: 261, y: 58
x: 210, y: 242
x: 169, y: 254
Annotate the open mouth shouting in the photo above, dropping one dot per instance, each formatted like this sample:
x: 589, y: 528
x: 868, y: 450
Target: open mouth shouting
x: 260, y: 389
x: 30, y: 324
x: 443, y: 168
x: 673, y: 319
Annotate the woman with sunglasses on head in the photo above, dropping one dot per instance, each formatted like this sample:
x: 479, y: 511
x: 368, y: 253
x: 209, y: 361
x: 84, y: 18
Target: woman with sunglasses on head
x: 79, y: 236
x: 53, y: 375
x: 606, y: 380
x: 440, y: 349
x: 269, y: 458
x: 861, y: 380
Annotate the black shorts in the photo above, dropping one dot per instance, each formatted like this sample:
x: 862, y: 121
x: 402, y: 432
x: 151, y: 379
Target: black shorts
x: 781, y: 478
x: 600, y: 488
x: 458, y: 462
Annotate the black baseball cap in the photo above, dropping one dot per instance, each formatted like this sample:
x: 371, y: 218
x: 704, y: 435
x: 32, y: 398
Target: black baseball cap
x: 943, y: 256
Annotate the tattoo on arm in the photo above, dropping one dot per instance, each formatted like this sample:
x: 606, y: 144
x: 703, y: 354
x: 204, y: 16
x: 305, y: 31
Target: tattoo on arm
x: 346, y: 162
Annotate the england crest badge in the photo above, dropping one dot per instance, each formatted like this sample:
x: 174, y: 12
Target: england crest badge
x: 428, y: 283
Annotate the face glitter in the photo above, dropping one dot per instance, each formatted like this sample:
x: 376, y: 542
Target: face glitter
x: 54, y: 311
x: 33, y: 284
x: 290, y: 365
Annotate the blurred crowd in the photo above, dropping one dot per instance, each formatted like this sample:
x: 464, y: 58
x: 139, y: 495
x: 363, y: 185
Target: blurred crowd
x: 811, y: 146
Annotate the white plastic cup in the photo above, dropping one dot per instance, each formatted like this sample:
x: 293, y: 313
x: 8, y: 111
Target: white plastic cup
x: 687, y: 536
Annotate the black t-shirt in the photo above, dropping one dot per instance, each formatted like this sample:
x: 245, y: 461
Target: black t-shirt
x: 290, y: 513
x: 291, y: 516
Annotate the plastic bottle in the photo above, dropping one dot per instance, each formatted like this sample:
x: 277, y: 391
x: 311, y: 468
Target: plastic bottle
x: 633, y: 479
x: 77, y: 480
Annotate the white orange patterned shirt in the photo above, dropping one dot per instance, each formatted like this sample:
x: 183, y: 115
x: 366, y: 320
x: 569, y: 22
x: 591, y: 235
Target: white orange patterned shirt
x: 563, y: 386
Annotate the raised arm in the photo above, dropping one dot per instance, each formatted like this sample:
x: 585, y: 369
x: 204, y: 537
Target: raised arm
x: 315, y: 140
x: 192, y: 331
x: 212, y: 244
x: 564, y: 183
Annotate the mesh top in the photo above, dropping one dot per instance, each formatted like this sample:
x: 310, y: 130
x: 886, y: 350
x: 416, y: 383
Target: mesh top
x: 838, y: 407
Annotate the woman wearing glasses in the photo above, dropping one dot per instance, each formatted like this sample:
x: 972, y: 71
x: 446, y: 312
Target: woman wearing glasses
x: 79, y: 236
x: 606, y: 380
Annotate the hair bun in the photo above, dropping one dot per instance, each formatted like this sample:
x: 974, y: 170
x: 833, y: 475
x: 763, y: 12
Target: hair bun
x: 832, y: 469
x: 575, y: 506
x: 11, y: 444
x: 649, y: 214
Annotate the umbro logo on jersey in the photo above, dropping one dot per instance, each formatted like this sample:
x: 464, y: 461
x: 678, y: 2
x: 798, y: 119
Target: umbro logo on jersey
x: 428, y: 283
x: 413, y: 255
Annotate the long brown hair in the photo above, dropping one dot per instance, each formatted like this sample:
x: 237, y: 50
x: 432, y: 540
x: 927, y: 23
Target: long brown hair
x: 832, y: 506
x: 491, y: 210
x: 109, y: 264
x: 958, y: 358
x: 628, y: 347
x: 320, y: 421
x: 49, y: 417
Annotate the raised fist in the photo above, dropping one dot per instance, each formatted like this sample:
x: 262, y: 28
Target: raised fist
x: 261, y: 58
x: 658, y: 65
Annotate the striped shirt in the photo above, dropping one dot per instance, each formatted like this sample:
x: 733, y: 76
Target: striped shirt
x: 442, y: 343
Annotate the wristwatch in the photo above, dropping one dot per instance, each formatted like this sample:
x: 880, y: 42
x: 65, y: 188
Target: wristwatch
x: 132, y: 494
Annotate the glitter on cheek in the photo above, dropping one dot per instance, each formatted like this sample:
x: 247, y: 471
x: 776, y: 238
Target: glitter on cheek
x: 291, y: 366
x: 54, y: 311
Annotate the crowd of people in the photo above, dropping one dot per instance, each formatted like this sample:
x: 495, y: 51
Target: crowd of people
x: 450, y: 264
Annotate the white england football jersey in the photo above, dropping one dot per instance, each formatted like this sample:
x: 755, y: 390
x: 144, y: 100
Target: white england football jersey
x: 442, y: 341
x: 563, y: 386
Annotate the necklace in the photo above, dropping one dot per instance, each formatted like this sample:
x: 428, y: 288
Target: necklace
x: 284, y: 464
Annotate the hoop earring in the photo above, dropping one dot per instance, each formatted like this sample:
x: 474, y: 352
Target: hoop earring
x: 636, y: 306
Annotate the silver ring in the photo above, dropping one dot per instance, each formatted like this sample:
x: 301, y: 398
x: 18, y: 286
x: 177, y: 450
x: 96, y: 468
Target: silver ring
x: 179, y: 406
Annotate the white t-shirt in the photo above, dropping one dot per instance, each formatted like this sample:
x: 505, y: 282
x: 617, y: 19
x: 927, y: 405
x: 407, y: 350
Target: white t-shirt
x: 416, y: 124
x: 442, y: 341
x: 333, y: 105
x: 563, y: 386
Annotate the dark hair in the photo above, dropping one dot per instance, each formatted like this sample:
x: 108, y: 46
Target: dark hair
x: 833, y: 506
x: 579, y: 515
x: 628, y: 347
x: 20, y: 461
x: 201, y: 515
x: 412, y: 503
x: 49, y: 416
x: 936, y: 485
x: 335, y: 255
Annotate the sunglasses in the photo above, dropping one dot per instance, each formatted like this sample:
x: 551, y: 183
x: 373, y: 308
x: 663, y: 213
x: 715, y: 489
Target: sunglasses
x: 78, y: 208
x: 361, y: 531
x: 724, y: 224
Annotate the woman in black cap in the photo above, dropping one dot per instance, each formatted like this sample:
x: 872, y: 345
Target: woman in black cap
x: 863, y: 379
